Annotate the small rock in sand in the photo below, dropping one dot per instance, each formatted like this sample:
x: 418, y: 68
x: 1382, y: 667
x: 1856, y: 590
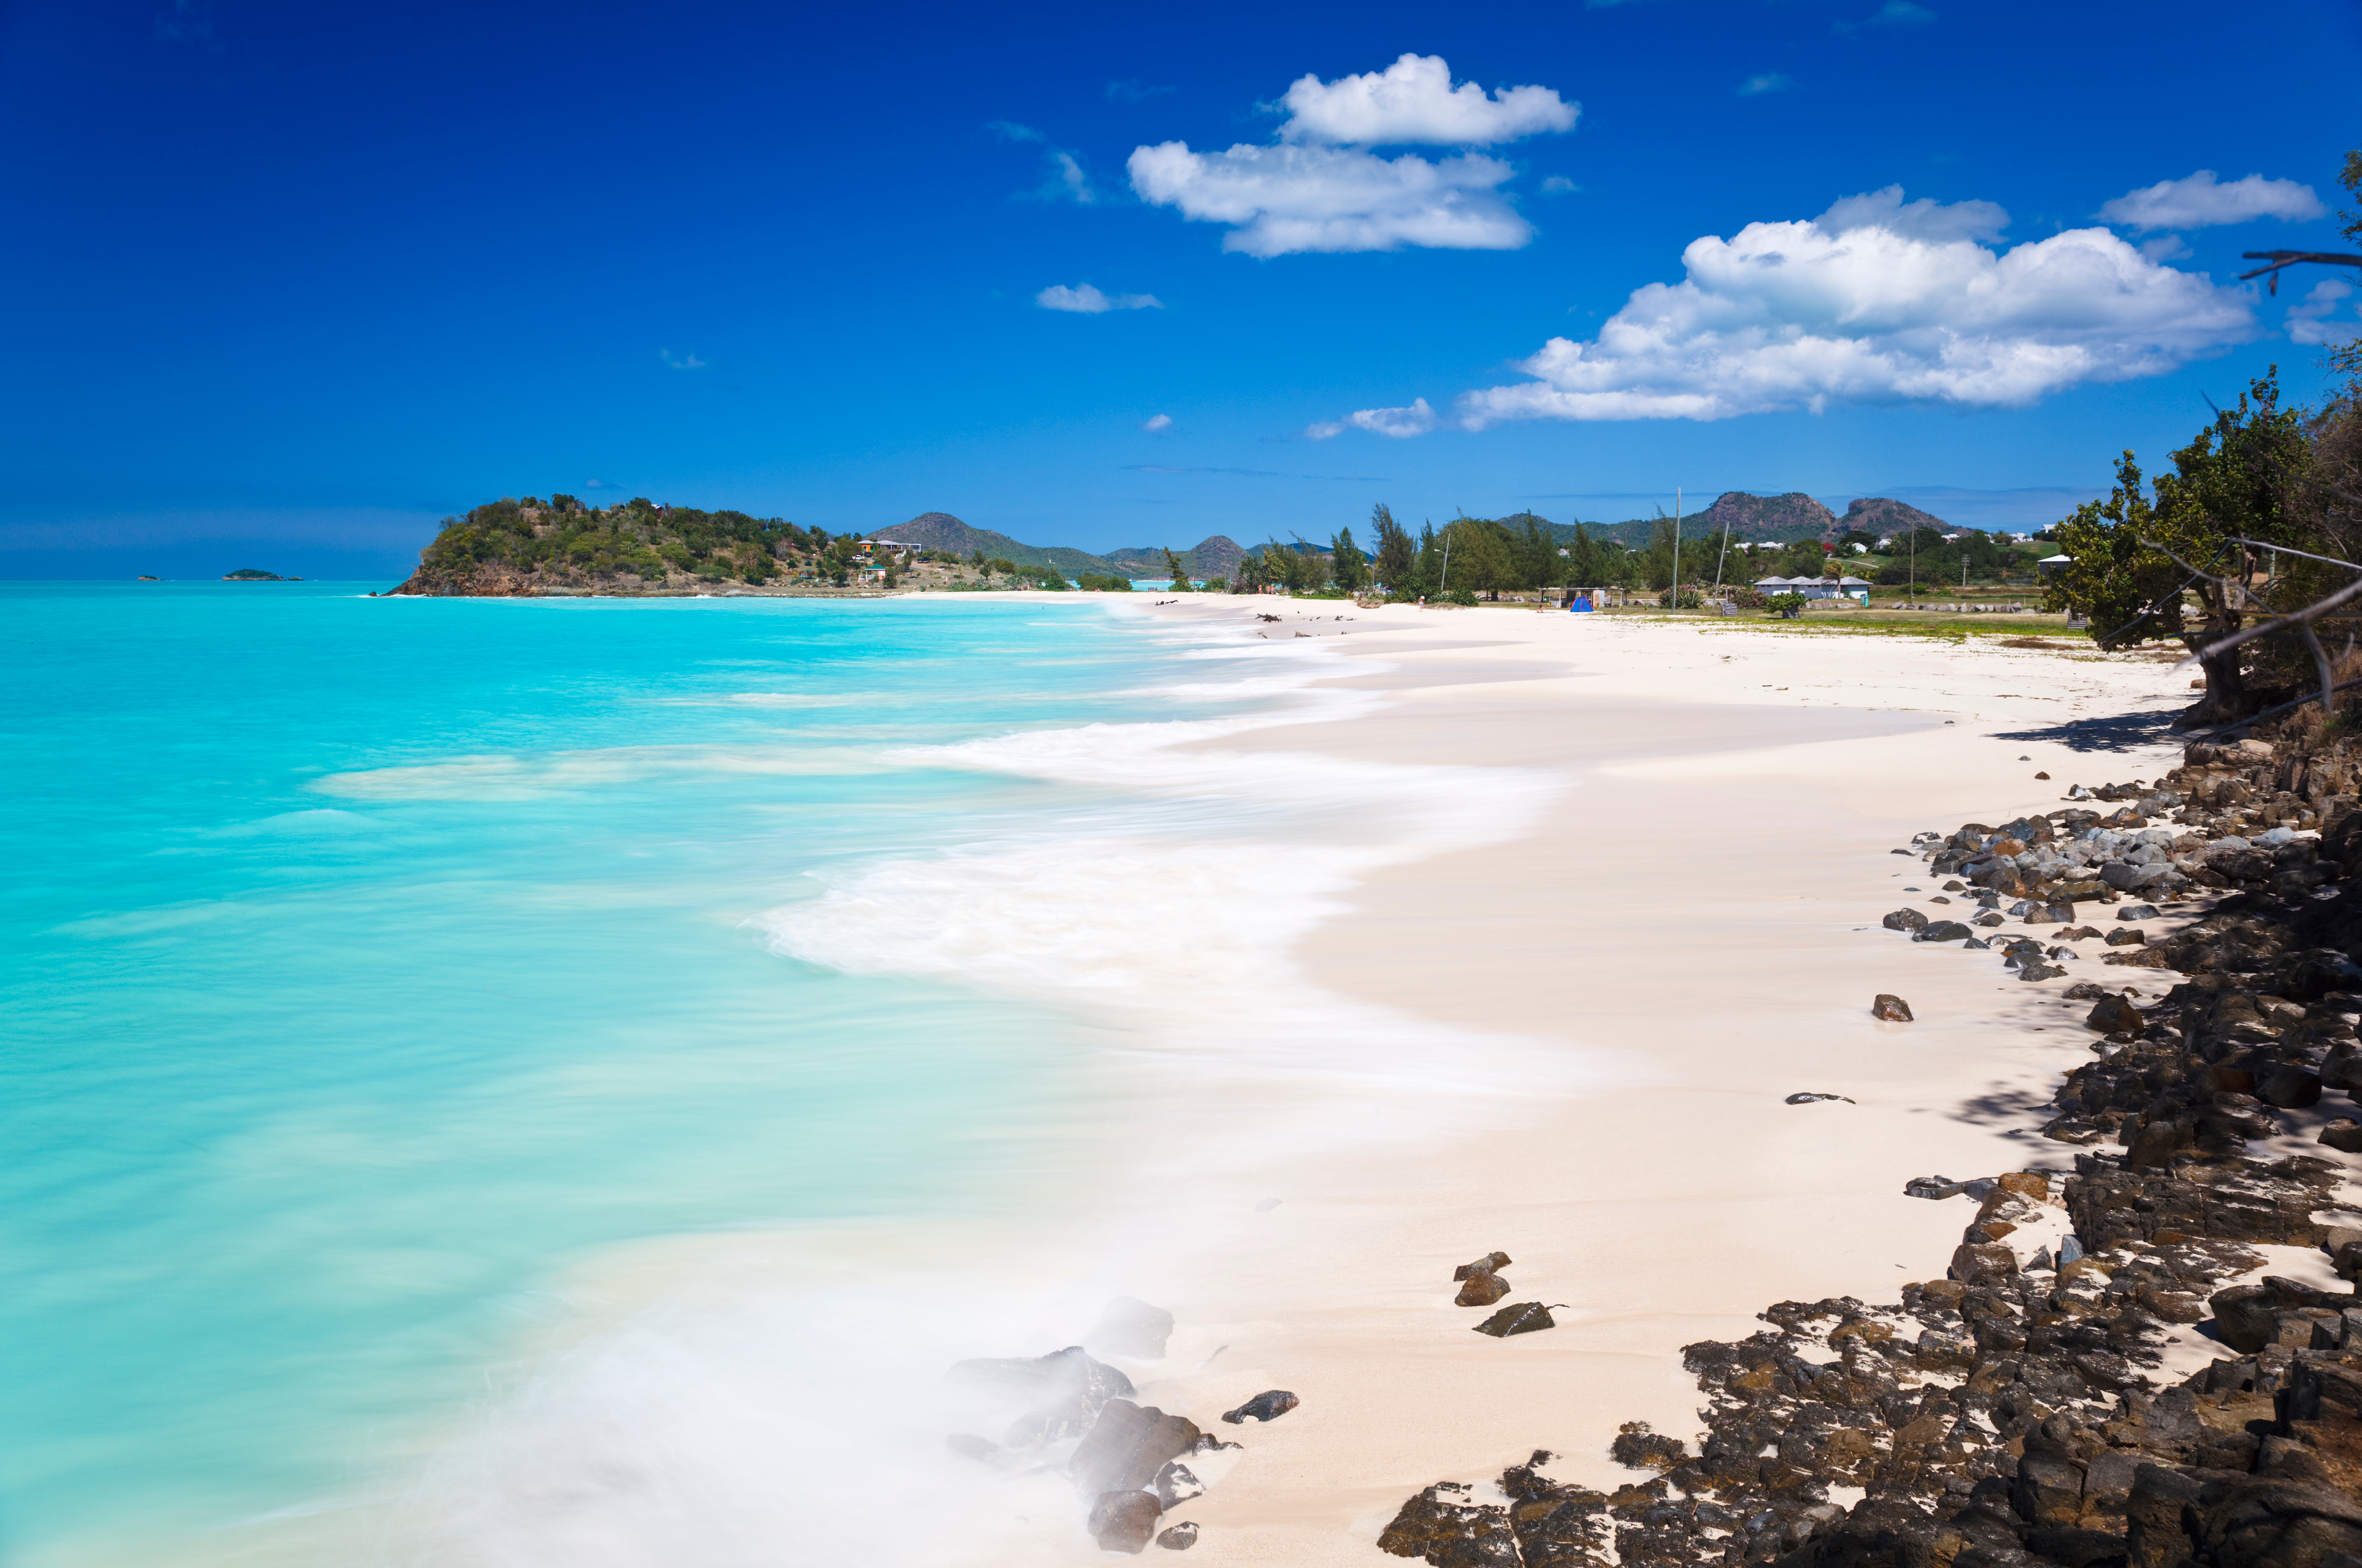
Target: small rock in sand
x: 1905, y: 921
x: 2113, y: 1016
x: 2137, y: 912
x: 1888, y: 1008
x: 1123, y: 1521
x: 1491, y: 1263
x: 2127, y: 936
x: 1267, y: 1406
x: 1642, y: 1449
x: 1180, y: 1537
x: 1176, y: 1484
x: 1522, y: 1318
x: 1480, y: 1290
x: 1807, y: 1098
x: 2344, y: 1135
x: 2042, y: 775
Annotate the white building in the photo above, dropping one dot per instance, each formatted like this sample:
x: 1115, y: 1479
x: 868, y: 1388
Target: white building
x: 1854, y: 588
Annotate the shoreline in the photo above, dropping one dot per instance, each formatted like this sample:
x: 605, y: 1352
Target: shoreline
x: 1663, y: 1212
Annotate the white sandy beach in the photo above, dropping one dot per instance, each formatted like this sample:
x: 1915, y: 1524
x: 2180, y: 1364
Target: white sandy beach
x: 1703, y: 902
x: 1594, y: 896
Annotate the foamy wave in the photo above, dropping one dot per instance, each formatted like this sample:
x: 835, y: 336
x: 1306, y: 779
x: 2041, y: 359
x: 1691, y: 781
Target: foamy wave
x: 502, y: 777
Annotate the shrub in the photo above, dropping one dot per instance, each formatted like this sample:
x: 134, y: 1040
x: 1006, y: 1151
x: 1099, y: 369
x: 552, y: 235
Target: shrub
x: 1460, y: 595
x: 1216, y: 585
x: 1687, y: 600
x: 1101, y: 583
x: 1788, y: 607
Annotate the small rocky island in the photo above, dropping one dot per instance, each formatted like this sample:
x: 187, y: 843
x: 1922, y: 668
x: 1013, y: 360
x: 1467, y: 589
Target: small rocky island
x: 248, y: 574
x: 641, y: 548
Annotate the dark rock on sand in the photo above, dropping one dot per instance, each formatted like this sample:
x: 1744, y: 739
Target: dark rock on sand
x: 2127, y: 936
x: 1267, y: 1406
x: 1128, y: 1445
x: 1176, y: 1484
x: 2344, y: 1135
x: 2112, y: 1014
x: 1943, y: 931
x: 1641, y: 1448
x: 1491, y: 1263
x: 2040, y: 971
x: 1520, y: 1318
x: 1905, y: 921
x: 1890, y: 1008
x: 1808, y: 1097
x: 1180, y: 1537
x: 1480, y: 1290
x: 1124, y: 1521
x: 2290, y: 1087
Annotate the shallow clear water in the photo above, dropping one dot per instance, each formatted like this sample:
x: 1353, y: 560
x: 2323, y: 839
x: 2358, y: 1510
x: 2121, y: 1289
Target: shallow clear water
x: 371, y: 960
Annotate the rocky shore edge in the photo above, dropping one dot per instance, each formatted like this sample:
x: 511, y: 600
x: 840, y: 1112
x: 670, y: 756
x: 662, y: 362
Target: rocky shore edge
x: 2008, y: 1415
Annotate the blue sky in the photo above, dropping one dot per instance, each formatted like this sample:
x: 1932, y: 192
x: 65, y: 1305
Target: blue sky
x: 288, y: 283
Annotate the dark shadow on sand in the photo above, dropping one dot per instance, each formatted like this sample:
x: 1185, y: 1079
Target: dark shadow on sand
x: 2119, y: 732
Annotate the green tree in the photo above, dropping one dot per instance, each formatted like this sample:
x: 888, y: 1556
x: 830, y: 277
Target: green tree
x: 1346, y: 563
x: 1484, y: 556
x: 1178, y: 572
x: 1787, y: 607
x: 2169, y: 564
x: 1396, y: 561
x: 1539, y: 564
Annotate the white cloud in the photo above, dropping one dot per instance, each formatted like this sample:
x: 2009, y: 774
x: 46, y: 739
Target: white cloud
x: 1925, y: 218
x: 1558, y: 185
x: 1770, y: 82
x: 682, y: 362
x: 1085, y: 300
x: 1413, y: 100
x: 2164, y: 248
x: 2309, y: 321
x: 1858, y: 308
x: 1283, y: 199
x: 2200, y: 203
x: 1320, y: 190
x: 1154, y: 422
x: 1415, y: 420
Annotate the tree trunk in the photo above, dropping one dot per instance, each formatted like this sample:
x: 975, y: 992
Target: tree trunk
x: 2226, y: 699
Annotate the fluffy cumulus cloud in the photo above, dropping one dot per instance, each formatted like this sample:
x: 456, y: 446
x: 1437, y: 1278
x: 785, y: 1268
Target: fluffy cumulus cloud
x: 1415, y: 420
x: 1277, y: 200
x: 2313, y: 321
x: 1413, y: 100
x: 1320, y: 188
x: 1084, y: 300
x: 2201, y: 200
x: 1876, y: 300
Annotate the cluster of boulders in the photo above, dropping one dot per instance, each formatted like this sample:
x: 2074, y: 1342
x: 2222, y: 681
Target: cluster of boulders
x: 1076, y: 1415
x: 2014, y: 1413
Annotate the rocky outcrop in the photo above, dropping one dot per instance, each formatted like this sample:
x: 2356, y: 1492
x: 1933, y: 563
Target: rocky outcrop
x: 2012, y: 1413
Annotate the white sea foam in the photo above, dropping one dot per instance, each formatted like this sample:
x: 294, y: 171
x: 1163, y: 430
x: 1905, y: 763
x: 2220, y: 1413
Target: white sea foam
x: 498, y: 776
x: 795, y: 1413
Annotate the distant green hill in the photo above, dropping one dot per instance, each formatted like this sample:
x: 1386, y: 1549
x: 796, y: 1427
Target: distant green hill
x: 1216, y: 558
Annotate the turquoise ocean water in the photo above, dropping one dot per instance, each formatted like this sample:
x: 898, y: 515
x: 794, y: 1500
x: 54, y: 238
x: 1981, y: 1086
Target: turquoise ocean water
x: 370, y: 961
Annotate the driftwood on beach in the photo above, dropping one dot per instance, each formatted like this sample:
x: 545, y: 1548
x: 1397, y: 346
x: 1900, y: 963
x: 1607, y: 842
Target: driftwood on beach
x: 2014, y: 1411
